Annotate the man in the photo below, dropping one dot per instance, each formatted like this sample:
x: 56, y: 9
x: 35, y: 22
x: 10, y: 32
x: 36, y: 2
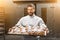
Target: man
x: 31, y: 20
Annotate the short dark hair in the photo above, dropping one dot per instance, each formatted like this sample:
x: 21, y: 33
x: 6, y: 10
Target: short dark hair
x: 31, y: 5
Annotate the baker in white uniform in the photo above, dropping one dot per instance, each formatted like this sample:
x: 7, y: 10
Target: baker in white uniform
x: 31, y: 20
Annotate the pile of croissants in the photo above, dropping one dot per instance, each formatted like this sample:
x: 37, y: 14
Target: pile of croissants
x: 28, y: 31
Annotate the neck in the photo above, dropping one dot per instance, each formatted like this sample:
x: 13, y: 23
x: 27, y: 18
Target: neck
x: 32, y: 15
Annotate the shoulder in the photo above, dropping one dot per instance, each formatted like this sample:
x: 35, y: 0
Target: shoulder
x: 38, y: 17
x: 23, y: 17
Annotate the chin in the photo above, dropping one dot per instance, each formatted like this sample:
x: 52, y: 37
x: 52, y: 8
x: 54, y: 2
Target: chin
x: 30, y: 14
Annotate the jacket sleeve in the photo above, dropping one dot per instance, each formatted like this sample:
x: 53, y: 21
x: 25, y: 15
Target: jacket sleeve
x: 43, y: 26
x: 19, y: 23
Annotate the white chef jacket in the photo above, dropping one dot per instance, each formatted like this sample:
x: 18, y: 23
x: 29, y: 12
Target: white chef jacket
x: 31, y: 21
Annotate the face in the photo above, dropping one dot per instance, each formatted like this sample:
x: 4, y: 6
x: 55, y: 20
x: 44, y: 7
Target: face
x: 30, y: 11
